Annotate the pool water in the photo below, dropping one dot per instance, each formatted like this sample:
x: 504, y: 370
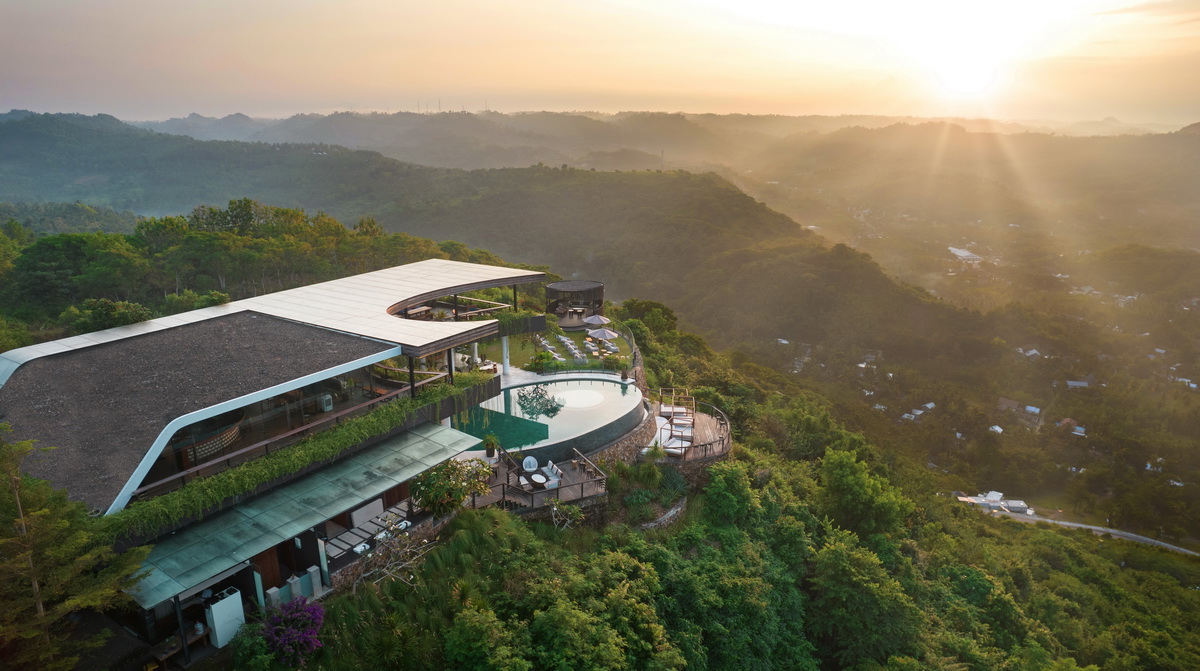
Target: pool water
x: 556, y: 417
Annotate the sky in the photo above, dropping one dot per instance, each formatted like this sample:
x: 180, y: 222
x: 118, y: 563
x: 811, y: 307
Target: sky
x: 1011, y: 59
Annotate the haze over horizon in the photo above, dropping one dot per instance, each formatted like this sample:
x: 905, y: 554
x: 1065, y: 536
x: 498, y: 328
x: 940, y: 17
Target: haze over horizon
x: 1074, y: 59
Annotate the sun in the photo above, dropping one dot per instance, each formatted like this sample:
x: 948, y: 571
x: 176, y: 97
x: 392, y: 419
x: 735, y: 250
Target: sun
x: 961, y: 54
x: 966, y: 78
x: 960, y: 72
x: 966, y: 49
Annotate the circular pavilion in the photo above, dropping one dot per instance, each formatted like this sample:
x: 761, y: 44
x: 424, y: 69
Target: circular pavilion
x: 572, y: 301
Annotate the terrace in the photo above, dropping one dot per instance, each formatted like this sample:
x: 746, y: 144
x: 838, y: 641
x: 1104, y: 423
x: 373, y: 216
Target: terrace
x: 510, y: 487
x: 455, y: 308
x: 517, y: 488
x: 687, y: 429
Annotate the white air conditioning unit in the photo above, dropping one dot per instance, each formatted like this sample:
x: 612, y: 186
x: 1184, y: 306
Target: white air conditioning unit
x: 326, y: 402
x: 225, y: 616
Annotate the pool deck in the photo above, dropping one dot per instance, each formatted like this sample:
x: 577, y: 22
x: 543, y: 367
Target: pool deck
x: 518, y: 377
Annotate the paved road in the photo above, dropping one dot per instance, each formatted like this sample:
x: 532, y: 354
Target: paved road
x: 1117, y: 533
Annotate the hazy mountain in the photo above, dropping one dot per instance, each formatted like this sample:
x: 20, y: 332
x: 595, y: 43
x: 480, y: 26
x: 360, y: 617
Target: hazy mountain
x: 736, y: 268
x: 13, y: 115
x: 1098, y: 190
x: 493, y: 139
x: 232, y: 127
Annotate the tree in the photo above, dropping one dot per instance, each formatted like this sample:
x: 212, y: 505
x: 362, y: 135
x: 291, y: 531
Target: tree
x: 564, y: 515
x: 443, y: 488
x: 566, y: 637
x: 13, y: 335
x: 368, y: 227
x: 859, y: 610
x: 101, y: 313
x: 856, y: 499
x: 53, y: 562
x: 729, y: 498
x: 480, y: 641
x: 45, y: 272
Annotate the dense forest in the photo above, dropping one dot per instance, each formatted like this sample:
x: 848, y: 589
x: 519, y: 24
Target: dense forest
x: 827, y: 523
x: 813, y: 546
x: 737, y: 272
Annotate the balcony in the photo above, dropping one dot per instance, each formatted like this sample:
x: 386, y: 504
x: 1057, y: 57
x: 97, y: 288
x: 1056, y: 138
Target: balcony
x: 688, y: 430
x: 518, y: 490
x: 252, y: 446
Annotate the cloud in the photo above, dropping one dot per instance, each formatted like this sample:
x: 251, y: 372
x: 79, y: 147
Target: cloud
x: 1161, y: 9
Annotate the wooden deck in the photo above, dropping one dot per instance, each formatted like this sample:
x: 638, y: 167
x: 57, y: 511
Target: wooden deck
x: 580, y: 479
x: 688, y: 433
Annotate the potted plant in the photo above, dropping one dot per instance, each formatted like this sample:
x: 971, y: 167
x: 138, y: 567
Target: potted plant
x: 490, y: 443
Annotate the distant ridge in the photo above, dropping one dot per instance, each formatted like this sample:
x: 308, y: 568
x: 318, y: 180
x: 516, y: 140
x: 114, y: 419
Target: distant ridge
x: 235, y: 126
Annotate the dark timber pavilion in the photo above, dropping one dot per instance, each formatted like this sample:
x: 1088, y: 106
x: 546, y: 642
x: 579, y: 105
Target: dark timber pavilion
x: 572, y: 301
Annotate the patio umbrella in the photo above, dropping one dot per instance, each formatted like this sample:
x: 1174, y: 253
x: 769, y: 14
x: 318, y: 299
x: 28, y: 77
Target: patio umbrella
x: 597, y: 320
x: 604, y: 334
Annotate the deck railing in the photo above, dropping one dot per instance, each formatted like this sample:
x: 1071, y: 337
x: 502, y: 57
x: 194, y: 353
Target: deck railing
x: 709, y: 449
x: 515, y: 498
x: 716, y: 447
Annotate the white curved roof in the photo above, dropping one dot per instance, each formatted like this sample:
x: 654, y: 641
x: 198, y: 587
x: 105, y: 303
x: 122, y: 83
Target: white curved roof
x: 357, y: 305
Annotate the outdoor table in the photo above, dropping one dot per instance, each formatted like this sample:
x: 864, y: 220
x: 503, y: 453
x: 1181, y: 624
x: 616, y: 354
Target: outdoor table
x: 539, y: 480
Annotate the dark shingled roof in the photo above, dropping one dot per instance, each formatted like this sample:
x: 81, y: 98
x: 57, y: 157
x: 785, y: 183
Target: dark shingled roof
x: 575, y: 285
x: 103, y: 406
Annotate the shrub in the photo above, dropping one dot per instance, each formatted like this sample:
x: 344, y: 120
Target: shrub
x: 290, y: 631
x: 638, y: 505
x: 672, y: 487
x: 443, y: 488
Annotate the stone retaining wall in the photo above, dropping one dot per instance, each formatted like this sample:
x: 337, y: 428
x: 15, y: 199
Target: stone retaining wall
x: 595, y: 511
x: 628, y: 447
x: 668, y: 516
x: 696, y: 472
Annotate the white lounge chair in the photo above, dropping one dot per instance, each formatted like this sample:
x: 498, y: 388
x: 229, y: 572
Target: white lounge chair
x: 553, y: 475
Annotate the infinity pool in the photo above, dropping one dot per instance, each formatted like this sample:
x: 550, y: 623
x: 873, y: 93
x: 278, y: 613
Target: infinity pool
x: 556, y: 417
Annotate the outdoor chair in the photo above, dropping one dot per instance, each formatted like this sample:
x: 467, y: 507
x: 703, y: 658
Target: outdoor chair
x: 553, y: 474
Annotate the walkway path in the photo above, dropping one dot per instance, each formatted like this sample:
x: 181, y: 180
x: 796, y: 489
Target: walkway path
x: 1101, y: 530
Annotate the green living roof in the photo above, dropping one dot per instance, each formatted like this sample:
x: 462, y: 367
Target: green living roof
x: 189, y: 557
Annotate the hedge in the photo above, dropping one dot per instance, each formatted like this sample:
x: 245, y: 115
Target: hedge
x: 203, y: 495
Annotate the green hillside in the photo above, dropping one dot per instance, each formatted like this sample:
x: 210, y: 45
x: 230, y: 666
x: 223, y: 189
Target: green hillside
x: 811, y: 547
x: 741, y: 274
x: 672, y: 236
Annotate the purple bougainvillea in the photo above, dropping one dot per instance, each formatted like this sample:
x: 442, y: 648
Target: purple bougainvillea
x: 291, y: 631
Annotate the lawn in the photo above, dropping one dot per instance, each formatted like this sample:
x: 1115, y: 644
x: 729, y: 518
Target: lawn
x: 521, y: 349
